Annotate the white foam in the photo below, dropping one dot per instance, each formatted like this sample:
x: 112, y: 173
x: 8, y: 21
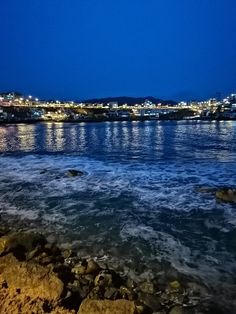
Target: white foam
x: 124, y: 198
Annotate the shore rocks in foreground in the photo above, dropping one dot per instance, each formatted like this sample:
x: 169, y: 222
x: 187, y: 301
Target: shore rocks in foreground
x: 107, y: 307
x: 39, y: 277
x: 20, y: 241
x: 32, y: 279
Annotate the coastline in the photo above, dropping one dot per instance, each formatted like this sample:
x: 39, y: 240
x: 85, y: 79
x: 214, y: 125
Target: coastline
x: 31, y: 121
x: 39, y: 276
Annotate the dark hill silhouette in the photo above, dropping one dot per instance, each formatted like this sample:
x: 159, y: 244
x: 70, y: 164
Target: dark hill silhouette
x: 129, y: 100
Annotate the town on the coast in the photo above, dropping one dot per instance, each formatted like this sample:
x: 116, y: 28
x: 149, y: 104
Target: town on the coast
x: 15, y: 107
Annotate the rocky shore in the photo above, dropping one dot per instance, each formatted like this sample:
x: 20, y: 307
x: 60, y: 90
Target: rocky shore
x: 37, y: 276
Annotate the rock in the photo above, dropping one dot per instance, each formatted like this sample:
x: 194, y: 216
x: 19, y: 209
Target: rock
x: 74, y: 173
x: 175, y: 285
x: 226, y: 195
x: 110, y: 293
x: 71, y: 261
x: 32, y: 254
x: 47, y: 260
x: 3, y: 230
x: 83, y: 291
x: 104, y: 278
x: 14, y: 302
x: 85, y: 268
x: 151, y: 301
x: 20, y: 242
x: 67, y: 253
x: 32, y: 279
x: 140, y: 309
x: 107, y: 307
x: 176, y: 310
x: 196, y: 289
x: 79, y: 269
x: 97, y: 293
x: 92, y: 267
x: 77, y: 287
x: 89, y: 278
x: 127, y: 294
x: 130, y: 283
x: 147, y: 287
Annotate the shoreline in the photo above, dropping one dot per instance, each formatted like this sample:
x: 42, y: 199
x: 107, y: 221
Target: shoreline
x: 73, y: 280
x: 109, y: 120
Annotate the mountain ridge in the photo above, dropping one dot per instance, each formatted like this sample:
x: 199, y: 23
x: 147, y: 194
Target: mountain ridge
x: 129, y: 100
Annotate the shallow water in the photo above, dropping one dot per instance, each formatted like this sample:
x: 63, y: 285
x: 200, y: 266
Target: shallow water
x: 139, y: 197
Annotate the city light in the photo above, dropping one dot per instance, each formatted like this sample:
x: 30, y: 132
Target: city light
x: 209, y: 109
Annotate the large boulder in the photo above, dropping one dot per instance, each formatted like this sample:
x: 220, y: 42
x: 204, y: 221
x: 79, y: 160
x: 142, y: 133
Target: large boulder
x: 31, y: 279
x: 107, y: 307
x: 226, y: 195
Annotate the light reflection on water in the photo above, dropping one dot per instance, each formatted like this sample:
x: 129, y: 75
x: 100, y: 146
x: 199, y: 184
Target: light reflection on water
x: 136, y: 140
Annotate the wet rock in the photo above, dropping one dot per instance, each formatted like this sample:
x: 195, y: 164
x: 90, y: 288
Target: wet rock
x: 191, y: 302
x: 47, y: 260
x: 226, y: 195
x: 130, y: 283
x: 140, y: 309
x: 127, y: 293
x: 34, y: 253
x: 67, y: 253
x: 63, y: 272
x: 80, y: 289
x: 92, y: 267
x: 32, y: 279
x: 71, y: 261
x: 175, y: 285
x: 86, y: 267
x: 89, y: 278
x: 176, y: 310
x: 147, y: 287
x: 79, y: 269
x: 52, y: 249
x: 3, y: 230
x: 107, y: 307
x: 104, y: 278
x: 83, y: 291
x: 74, y: 173
x: 194, y: 288
x: 151, y: 301
x: 111, y: 293
x: 97, y: 293
x: 20, y: 242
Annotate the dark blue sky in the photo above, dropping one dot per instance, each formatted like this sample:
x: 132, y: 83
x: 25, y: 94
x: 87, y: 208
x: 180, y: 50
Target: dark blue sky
x: 178, y: 49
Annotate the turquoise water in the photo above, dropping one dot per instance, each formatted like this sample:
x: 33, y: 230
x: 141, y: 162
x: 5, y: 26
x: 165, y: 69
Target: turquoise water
x: 138, y: 202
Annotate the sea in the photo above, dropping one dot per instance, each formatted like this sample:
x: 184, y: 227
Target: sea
x: 146, y: 196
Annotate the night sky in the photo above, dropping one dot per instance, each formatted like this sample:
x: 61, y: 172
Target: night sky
x: 77, y: 49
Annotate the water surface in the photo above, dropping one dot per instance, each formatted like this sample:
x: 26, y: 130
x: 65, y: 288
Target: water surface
x: 138, y: 202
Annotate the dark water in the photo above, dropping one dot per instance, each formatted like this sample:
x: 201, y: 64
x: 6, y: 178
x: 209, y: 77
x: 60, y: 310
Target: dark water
x: 139, y: 198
